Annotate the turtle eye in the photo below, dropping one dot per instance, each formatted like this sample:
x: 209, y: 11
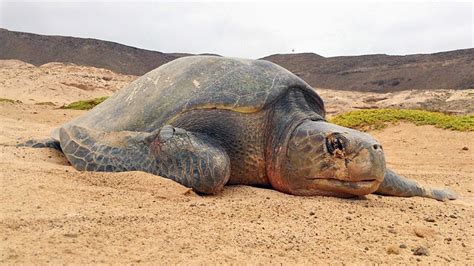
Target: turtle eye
x: 334, y: 142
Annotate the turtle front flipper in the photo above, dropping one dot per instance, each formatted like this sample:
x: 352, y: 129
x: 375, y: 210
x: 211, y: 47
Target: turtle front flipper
x: 397, y: 185
x: 191, y: 159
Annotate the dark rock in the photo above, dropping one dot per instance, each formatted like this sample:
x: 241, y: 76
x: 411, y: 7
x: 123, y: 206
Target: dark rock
x: 430, y: 220
x: 71, y: 235
x: 420, y: 251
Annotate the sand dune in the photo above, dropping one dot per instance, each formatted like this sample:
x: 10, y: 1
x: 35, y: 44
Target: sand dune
x: 56, y: 82
x: 64, y: 83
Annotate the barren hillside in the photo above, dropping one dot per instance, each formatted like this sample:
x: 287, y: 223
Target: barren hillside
x: 376, y: 73
x: 383, y: 73
x: 41, y: 49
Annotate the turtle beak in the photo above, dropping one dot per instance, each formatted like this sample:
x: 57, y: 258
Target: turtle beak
x: 366, y: 161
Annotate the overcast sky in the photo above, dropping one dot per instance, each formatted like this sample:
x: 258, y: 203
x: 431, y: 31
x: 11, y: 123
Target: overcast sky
x: 254, y: 30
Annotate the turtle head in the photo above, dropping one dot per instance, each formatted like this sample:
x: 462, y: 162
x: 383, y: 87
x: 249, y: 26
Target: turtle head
x: 326, y: 159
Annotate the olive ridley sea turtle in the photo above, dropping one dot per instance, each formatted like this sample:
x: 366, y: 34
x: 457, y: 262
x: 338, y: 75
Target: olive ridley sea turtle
x: 208, y: 121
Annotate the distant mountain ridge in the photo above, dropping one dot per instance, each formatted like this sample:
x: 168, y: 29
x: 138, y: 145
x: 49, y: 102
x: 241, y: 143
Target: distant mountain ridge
x: 40, y: 49
x: 380, y: 73
x: 383, y: 73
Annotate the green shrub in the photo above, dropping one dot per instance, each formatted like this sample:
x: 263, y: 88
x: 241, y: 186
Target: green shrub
x: 85, y: 105
x: 46, y: 103
x: 5, y: 100
x: 379, y: 118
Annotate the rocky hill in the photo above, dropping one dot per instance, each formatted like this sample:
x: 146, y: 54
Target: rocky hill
x: 383, y: 73
x: 40, y: 49
x: 376, y: 73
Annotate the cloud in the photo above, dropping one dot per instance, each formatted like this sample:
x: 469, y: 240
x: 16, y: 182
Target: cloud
x: 254, y: 29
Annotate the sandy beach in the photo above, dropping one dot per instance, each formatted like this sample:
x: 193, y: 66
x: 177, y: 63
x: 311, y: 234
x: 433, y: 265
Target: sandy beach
x: 51, y: 213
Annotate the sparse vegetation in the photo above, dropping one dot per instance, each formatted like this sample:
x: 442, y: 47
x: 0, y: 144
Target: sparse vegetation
x: 5, y: 100
x: 46, y: 103
x: 379, y: 118
x: 86, y: 104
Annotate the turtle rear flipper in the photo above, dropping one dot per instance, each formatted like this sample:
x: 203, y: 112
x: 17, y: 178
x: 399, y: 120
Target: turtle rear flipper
x: 397, y: 185
x: 42, y: 143
x: 191, y: 159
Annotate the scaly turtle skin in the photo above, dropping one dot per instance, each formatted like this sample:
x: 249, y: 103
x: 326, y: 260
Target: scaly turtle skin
x: 207, y: 121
